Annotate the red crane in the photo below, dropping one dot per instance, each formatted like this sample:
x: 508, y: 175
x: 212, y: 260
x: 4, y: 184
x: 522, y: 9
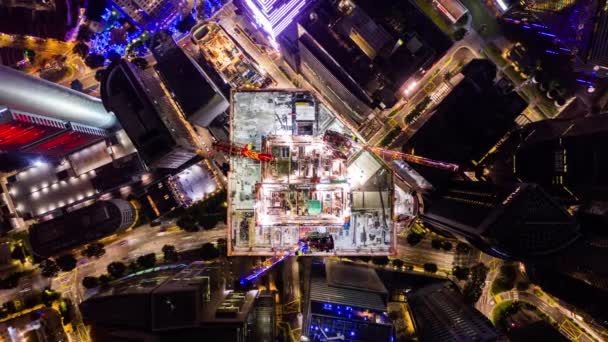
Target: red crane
x: 244, y: 151
x: 345, y: 144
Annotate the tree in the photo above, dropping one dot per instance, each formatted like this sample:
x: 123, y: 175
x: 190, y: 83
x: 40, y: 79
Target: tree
x: 94, y: 249
x: 430, y: 267
x: 18, y: 253
x: 142, y: 63
x: 66, y: 308
x: 11, y: 281
x: 94, y: 61
x: 209, y: 222
x: 48, y: 296
x: 84, y: 34
x: 49, y: 268
x: 81, y: 49
x: 436, y: 243
x: 460, y: 33
x: 116, y: 269
x: 66, y: 262
x: 104, y: 280
x: 418, y: 110
x: 147, y: 261
x: 114, y: 56
x: 446, y: 245
x: 132, y: 267
x: 461, y: 273
x: 463, y: 248
x: 10, y: 307
x: 209, y: 252
x: 169, y: 253
x: 90, y: 282
x: 413, y: 239
x: 187, y: 223
x: 474, y: 288
x: 99, y: 74
x: 398, y: 263
x: 185, y: 24
x: 76, y: 85
x: 380, y: 260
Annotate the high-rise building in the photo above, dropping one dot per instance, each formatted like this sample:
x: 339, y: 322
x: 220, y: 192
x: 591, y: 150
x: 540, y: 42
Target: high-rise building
x: 361, y: 57
x: 566, y: 157
x: 146, y: 111
x: 274, y: 16
x: 513, y: 221
x: 195, y: 93
x: 347, y: 302
x: 40, y: 117
x: 577, y: 30
x: 81, y: 226
x: 440, y: 314
x: 171, y: 302
x: 470, y: 120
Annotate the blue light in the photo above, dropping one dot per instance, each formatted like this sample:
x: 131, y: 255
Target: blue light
x: 547, y: 34
x: 551, y: 52
x: 584, y: 81
x: 352, y: 333
x: 326, y: 330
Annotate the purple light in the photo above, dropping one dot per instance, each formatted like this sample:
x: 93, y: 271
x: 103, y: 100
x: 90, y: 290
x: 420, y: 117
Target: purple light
x: 551, y: 52
x: 547, y: 34
x: 273, y: 15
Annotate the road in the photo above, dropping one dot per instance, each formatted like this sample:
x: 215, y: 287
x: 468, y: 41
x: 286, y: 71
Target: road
x: 562, y: 316
x: 423, y: 253
x: 125, y: 248
x: 565, y: 325
x: 431, y: 84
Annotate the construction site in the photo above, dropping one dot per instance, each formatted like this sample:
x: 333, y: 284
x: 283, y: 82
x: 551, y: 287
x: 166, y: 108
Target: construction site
x: 293, y: 187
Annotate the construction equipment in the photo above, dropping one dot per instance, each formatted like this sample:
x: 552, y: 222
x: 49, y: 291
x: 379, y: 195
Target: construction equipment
x: 244, y: 151
x: 346, y: 145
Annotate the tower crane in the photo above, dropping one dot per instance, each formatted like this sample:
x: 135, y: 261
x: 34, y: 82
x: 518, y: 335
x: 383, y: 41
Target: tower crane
x: 345, y: 145
x: 242, y: 150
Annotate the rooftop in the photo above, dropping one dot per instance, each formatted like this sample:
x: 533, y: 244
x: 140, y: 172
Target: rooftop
x: 304, y: 192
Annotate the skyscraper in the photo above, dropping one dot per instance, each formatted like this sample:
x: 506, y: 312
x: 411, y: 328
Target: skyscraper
x: 171, y: 303
x: 274, y: 15
x: 576, y: 29
x: 40, y: 117
x: 440, y: 314
x: 195, y: 93
x: 512, y: 221
x: 566, y: 157
x: 149, y: 116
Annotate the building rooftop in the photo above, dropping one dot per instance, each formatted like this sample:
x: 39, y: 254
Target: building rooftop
x: 304, y: 193
x: 470, y: 119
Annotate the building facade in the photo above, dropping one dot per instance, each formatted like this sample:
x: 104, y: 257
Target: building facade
x: 81, y: 226
x: 440, y: 314
x: 147, y: 113
x: 511, y: 221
